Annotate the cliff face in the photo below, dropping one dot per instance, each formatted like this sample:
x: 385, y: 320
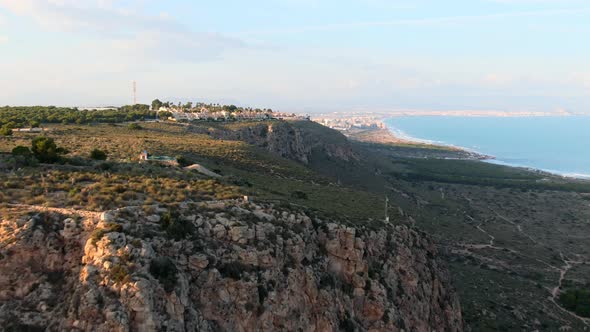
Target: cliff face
x: 290, y: 140
x: 241, y: 267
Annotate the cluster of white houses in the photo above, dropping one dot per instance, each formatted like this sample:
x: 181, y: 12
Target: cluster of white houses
x: 179, y: 114
x: 344, y: 124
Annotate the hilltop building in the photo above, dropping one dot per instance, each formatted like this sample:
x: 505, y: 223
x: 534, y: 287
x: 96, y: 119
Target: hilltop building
x: 144, y: 156
x: 206, y: 114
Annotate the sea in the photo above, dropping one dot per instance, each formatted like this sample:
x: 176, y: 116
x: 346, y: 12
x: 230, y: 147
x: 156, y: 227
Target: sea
x: 556, y: 144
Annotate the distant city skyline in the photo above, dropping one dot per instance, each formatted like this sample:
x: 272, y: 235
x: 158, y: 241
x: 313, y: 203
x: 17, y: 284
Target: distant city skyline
x: 299, y: 55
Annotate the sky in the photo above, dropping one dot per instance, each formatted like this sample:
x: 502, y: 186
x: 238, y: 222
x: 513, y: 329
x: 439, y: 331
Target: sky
x: 299, y: 55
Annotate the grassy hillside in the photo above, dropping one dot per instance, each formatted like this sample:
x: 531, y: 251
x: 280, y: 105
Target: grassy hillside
x: 506, y: 233
x: 246, y: 170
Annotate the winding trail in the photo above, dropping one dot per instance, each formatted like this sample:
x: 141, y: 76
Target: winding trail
x: 92, y: 215
x: 562, y: 272
x: 492, y: 238
x: 518, y: 227
x: 568, y: 264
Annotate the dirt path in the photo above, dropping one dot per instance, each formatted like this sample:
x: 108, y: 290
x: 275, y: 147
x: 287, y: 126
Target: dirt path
x: 562, y: 272
x: 568, y: 264
x: 92, y: 215
x: 492, y: 238
x: 518, y: 227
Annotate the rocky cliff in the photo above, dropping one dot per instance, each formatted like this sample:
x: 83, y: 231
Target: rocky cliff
x: 296, y: 140
x: 230, y: 266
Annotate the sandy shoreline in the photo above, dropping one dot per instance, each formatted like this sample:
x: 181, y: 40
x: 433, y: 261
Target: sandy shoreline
x: 386, y: 136
x: 485, y: 158
x: 372, y: 128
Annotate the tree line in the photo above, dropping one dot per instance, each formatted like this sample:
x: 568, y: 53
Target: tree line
x: 213, y: 107
x: 33, y: 116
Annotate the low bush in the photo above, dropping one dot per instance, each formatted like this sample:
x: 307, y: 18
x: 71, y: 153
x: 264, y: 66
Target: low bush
x: 5, y: 131
x: 299, y: 194
x: 22, y: 151
x: 97, y: 154
x: 22, y: 156
x: 119, y: 273
x: 183, y: 161
x: 45, y: 149
x: 134, y: 126
x: 98, y: 233
x: 576, y: 300
x: 177, y: 228
x: 233, y: 270
x: 163, y: 269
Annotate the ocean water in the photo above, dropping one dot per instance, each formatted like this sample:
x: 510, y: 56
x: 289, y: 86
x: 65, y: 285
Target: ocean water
x: 556, y: 144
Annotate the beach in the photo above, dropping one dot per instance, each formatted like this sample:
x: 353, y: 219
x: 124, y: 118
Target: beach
x: 518, y: 141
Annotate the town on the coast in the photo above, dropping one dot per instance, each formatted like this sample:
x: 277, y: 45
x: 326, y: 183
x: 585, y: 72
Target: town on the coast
x: 217, y: 112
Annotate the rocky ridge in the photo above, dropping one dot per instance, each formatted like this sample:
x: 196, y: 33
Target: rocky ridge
x: 288, y: 140
x: 229, y: 265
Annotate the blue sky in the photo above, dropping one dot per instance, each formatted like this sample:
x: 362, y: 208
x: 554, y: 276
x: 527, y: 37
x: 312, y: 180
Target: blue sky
x: 299, y: 55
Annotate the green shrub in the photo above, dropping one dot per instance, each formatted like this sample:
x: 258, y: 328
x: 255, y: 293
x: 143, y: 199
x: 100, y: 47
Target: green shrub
x: 262, y: 294
x: 183, y: 161
x: 97, y: 154
x: 299, y: 194
x: 177, y: 228
x: 119, y: 273
x: 45, y: 149
x: 576, y: 300
x: 105, y: 166
x: 134, y: 126
x: 233, y: 270
x: 98, y: 233
x: 22, y: 156
x: 23, y: 116
x: 5, y: 131
x: 347, y: 325
x: 163, y: 269
x: 22, y: 151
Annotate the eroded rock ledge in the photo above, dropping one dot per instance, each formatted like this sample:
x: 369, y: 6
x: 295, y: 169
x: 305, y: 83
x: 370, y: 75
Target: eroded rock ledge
x: 223, y: 266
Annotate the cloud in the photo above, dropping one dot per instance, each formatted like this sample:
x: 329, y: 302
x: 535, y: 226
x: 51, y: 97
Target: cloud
x: 3, y: 39
x: 430, y: 21
x: 124, y: 29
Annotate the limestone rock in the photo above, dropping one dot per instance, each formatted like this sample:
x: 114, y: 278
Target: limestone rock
x: 279, y: 271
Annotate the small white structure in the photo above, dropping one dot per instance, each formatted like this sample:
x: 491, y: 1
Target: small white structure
x: 143, y: 155
x: 29, y: 130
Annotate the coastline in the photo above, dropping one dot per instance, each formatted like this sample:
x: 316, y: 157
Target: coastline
x: 577, y: 176
x: 384, y: 134
x: 376, y: 128
x: 395, y: 132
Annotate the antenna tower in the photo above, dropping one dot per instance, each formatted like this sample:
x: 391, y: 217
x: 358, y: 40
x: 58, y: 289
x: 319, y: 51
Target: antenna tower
x: 386, y: 209
x: 134, y: 93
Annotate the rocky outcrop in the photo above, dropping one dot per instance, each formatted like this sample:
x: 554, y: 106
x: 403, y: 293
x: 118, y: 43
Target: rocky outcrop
x: 296, y: 140
x: 225, y: 266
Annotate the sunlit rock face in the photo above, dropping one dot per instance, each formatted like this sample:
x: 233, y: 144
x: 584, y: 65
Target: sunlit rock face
x: 296, y: 141
x: 234, y: 267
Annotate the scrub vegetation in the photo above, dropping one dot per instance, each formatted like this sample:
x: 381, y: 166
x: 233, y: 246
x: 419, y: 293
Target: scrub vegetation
x: 507, y: 234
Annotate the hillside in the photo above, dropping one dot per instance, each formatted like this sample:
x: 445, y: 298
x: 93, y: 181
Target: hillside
x: 514, y: 240
x: 147, y: 246
x: 219, y: 266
